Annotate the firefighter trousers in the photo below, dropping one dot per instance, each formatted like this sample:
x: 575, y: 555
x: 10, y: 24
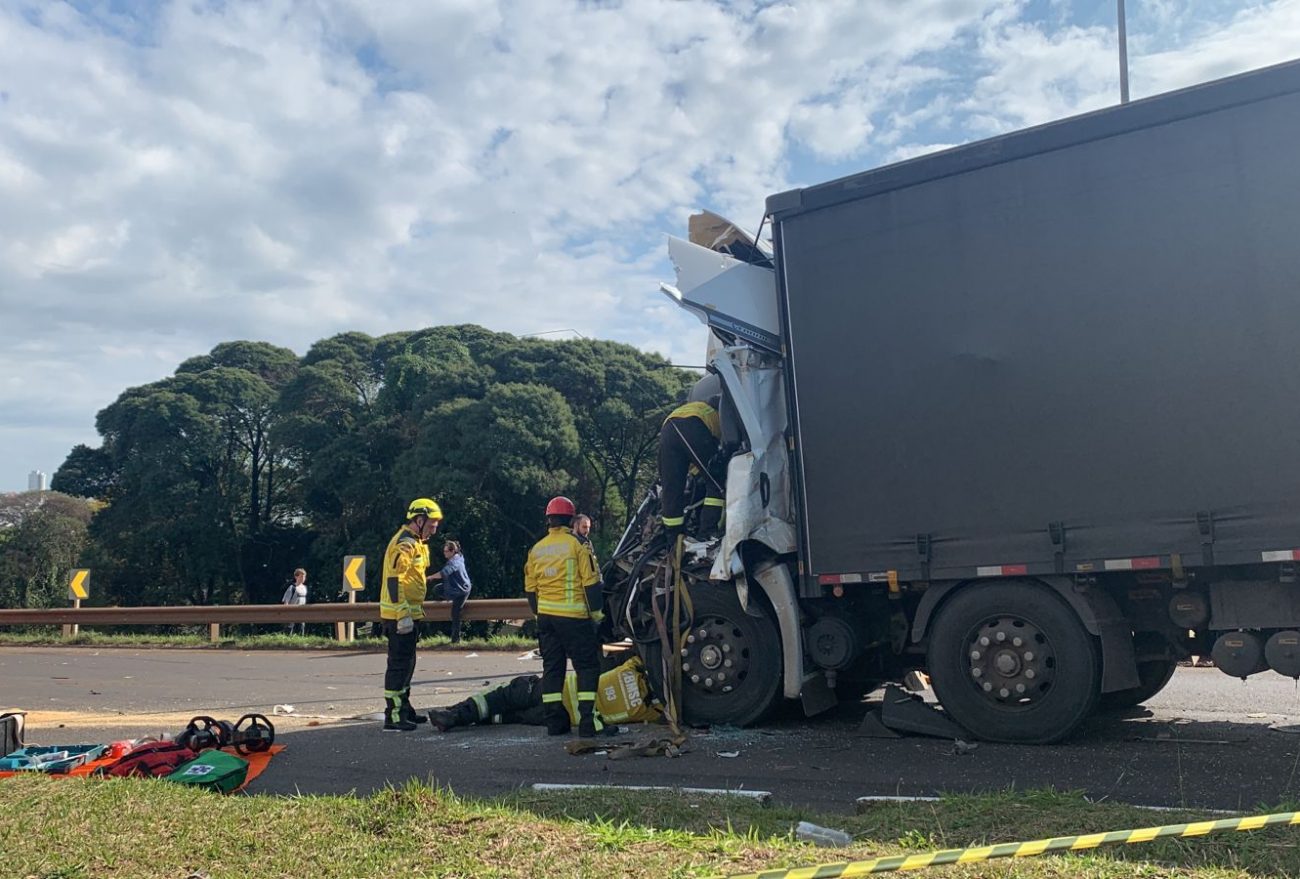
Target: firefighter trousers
x: 561, y: 640
x: 683, y: 443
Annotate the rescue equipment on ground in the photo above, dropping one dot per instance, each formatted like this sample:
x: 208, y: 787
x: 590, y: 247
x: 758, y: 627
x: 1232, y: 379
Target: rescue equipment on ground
x: 250, y: 734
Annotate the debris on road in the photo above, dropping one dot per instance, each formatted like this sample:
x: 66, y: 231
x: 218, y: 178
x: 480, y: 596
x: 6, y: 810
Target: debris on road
x: 728, y: 754
x: 823, y: 836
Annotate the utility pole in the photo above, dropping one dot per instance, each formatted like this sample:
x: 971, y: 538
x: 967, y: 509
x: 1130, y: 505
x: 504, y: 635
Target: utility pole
x: 1123, y: 54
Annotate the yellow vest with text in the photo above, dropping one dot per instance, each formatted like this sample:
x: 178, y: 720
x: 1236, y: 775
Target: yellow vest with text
x: 622, y: 697
x: 403, y: 587
x: 559, y: 570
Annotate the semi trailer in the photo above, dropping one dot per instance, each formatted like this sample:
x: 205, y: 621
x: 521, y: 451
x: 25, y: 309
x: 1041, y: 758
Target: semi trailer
x: 1023, y: 414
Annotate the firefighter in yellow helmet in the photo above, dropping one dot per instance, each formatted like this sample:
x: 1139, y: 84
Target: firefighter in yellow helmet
x: 563, y: 589
x: 401, y: 607
x: 623, y: 696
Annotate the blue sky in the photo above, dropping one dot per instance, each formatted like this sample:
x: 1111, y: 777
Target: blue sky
x: 174, y: 175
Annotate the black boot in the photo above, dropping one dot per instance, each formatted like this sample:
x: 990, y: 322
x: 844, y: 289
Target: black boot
x: 393, y: 721
x: 443, y: 719
x: 557, y: 720
x: 409, y: 714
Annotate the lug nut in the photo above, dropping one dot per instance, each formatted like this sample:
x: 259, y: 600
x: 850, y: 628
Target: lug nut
x: 690, y: 639
x: 976, y: 673
x: 726, y: 648
x: 1020, y: 688
x: 684, y: 651
x: 1029, y: 656
x: 704, y: 633
x: 988, y: 687
x: 708, y: 682
x: 722, y: 676
x: 984, y: 640
x: 686, y: 666
x: 1001, y: 636
x: 1004, y: 692
x: 1017, y: 642
x: 1030, y: 673
x: 726, y: 663
x: 695, y: 679
x: 975, y: 656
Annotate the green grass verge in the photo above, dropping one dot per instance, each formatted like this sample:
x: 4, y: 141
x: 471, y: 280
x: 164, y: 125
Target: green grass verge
x: 53, y: 638
x: 64, y: 828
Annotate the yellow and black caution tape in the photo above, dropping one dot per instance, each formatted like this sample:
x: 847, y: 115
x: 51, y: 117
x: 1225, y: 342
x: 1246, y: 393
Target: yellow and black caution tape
x: 1023, y: 849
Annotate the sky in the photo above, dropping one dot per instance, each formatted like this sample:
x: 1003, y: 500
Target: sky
x: 178, y: 174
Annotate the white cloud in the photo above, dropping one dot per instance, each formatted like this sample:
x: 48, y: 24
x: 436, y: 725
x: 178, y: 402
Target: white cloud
x: 286, y: 169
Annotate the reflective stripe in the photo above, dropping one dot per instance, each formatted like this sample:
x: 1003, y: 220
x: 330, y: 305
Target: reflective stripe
x: 571, y: 695
x: 584, y: 696
x: 570, y: 571
x: 670, y: 521
x: 702, y: 411
x: 563, y: 608
x: 481, y: 705
x: 714, y: 502
x: 548, y: 698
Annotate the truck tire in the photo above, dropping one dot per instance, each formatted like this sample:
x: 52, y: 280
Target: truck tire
x: 1154, y: 674
x: 731, y: 670
x: 1012, y: 662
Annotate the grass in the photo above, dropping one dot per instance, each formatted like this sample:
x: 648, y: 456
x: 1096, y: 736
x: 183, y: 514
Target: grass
x: 61, y: 828
x: 53, y: 637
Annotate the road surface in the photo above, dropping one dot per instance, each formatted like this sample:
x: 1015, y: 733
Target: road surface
x: 1208, y: 741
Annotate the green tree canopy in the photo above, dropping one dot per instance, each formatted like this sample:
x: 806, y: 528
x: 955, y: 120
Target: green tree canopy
x: 250, y: 461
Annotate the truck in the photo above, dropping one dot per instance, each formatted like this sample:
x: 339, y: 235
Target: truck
x: 1023, y: 415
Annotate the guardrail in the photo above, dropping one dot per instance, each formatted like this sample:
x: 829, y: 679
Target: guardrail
x: 215, y: 616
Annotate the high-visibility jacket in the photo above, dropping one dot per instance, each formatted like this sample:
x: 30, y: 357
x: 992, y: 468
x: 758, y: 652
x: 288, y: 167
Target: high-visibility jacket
x: 702, y: 411
x: 622, y: 697
x: 560, y: 569
x: 403, y: 587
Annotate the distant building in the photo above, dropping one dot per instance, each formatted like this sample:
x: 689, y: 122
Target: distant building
x: 36, y: 481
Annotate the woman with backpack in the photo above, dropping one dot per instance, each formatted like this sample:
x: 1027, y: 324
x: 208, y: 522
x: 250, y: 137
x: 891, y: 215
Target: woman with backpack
x: 454, y: 585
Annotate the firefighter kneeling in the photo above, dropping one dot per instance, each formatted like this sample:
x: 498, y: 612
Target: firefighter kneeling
x: 622, y: 697
x: 563, y: 589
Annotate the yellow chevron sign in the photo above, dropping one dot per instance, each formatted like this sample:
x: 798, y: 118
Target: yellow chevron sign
x: 79, y: 585
x: 354, y: 572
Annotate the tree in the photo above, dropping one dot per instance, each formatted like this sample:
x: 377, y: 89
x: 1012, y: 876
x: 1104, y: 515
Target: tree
x: 42, y: 537
x: 250, y: 461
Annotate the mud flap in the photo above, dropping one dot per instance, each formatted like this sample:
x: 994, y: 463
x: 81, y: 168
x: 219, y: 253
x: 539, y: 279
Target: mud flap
x: 817, y: 695
x: 901, y: 711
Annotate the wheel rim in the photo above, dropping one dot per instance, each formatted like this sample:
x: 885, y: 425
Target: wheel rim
x: 1010, y: 661
x: 715, y: 659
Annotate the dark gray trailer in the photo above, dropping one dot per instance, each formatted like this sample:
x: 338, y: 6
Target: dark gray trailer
x: 1040, y: 428
x: 1054, y: 349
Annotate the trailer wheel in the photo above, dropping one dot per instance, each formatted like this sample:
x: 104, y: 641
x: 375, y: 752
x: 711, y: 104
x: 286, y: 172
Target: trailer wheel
x: 1154, y: 675
x: 731, y: 665
x: 1011, y: 662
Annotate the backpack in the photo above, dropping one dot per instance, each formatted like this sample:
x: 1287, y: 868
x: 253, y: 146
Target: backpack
x: 213, y: 770
x: 11, y: 731
x: 151, y: 760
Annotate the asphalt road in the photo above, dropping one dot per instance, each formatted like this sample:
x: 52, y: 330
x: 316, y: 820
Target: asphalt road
x: 1208, y: 741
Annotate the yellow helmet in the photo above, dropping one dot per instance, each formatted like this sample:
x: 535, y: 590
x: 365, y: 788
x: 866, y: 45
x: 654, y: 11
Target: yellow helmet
x: 423, y: 506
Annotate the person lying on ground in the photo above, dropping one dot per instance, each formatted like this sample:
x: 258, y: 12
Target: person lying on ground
x: 622, y: 697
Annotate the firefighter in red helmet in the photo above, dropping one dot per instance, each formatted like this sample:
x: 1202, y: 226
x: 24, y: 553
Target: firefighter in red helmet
x: 563, y: 589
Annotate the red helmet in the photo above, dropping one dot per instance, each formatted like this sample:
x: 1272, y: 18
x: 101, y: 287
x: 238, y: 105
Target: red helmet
x: 561, y: 506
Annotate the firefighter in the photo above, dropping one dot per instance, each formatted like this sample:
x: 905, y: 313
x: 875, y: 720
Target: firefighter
x: 623, y: 696
x: 688, y: 442
x: 563, y: 589
x: 401, y: 607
